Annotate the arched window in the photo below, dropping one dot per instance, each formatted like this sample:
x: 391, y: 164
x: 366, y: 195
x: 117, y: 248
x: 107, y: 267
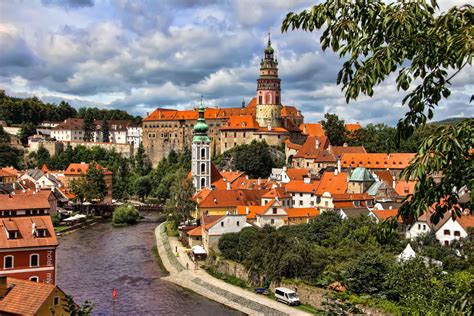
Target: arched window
x: 34, y: 260
x: 203, y: 182
x: 8, y: 262
x: 203, y: 167
x: 203, y: 153
x: 34, y: 279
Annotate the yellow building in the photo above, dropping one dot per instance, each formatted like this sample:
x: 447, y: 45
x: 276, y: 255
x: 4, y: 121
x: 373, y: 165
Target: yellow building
x: 22, y: 297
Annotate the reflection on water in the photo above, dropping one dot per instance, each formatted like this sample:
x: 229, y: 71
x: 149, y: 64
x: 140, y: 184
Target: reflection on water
x: 94, y: 260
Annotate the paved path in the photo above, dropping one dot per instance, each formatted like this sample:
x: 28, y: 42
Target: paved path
x: 204, y: 284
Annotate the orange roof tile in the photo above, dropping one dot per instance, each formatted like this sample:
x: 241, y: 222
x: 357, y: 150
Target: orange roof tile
x: 384, y: 214
x: 209, y: 220
x: 333, y: 184
x: 298, y: 186
x: 274, y: 130
x: 25, y: 297
x: 351, y: 196
x: 252, y: 210
x: 288, y: 110
x: 297, y: 173
x: 8, y: 172
x: 404, y: 188
x: 195, y: 231
x: 352, y: 127
x: 243, y: 122
x: 376, y: 160
x: 340, y: 150
x: 291, y: 145
x: 278, y: 192
x: 25, y: 201
x: 302, y: 212
x: 312, y: 129
x: 209, y: 113
x: 231, y: 198
x: 385, y: 175
x: 26, y: 239
x: 309, y: 150
x: 82, y: 168
x: 466, y: 221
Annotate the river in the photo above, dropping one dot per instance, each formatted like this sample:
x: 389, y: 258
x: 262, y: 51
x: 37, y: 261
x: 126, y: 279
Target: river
x: 94, y: 260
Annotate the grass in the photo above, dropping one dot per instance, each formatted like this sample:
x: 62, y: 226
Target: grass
x: 60, y: 228
x: 310, y: 309
x: 159, y: 262
x: 227, y: 278
x: 171, y: 229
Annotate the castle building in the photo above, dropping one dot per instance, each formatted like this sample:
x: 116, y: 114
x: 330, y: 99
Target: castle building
x: 201, y: 153
x: 264, y: 118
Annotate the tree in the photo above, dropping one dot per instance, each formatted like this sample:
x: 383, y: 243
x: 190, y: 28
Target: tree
x: 104, y: 126
x: 423, y: 45
x: 228, y: 245
x: 180, y: 203
x: 10, y: 156
x: 323, y: 225
x: 89, y: 128
x: 95, y: 178
x: 142, y: 163
x: 334, y: 129
x: 143, y: 187
x: 26, y: 131
x: 125, y: 215
x: 74, y: 309
x: 4, y: 137
x: 41, y: 156
x: 254, y: 159
x: 367, y: 273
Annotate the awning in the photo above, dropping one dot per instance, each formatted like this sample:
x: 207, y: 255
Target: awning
x: 198, y: 250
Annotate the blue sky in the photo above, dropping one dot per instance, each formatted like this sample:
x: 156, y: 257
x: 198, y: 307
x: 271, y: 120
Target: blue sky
x: 139, y: 55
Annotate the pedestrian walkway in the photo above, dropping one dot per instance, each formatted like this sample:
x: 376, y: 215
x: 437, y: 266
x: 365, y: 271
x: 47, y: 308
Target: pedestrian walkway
x: 204, y: 284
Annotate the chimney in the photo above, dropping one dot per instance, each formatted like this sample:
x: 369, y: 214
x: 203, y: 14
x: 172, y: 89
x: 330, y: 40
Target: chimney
x: 228, y: 186
x: 394, y: 183
x: 258, y: 181
x: 247, y: 211
x: 336, y: 172
x: 269, y: 127
x: 344, y: 145
x: 4, y: 288
x: 338, y: 164
x: 317, y: 143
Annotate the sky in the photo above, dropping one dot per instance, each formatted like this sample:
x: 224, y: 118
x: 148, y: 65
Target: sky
x: 139, y: 55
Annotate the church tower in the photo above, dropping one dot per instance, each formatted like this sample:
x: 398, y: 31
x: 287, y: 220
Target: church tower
x: 201, y: 153
x: 268, y: 112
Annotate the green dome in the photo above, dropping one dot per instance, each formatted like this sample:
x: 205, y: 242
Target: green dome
x: 201, y: 128
x: 269, y: 50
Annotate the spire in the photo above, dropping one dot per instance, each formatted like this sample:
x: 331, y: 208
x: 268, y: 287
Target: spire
x: 201, y: 128
x: 269, y: 39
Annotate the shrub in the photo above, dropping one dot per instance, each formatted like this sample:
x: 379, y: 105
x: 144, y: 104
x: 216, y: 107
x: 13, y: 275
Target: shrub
x: 125, y: 215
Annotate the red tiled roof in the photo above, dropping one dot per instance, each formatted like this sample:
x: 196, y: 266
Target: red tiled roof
x: 385, y: 175
x: 195, y: 231
x: 291, y: 145
x: 384, y: 214
x: 278, y: 192
x: 209, y: 220
x: 82, y: 168
x: 243, y: 122
x: 376, y: 160
x: 231, y: 198
x: 302, y: 212
x: 25, y: 201
x: 25, y: 297
x: 298, y: 186
x: 466, y: 221
x: 253, y: 210
x: 277, y: 130
x: 309, y: 150
x: 404, y: 188
x: 8, y: 172
x: 26, y: 238
x: 340, y: 150
x: 209, y: 113
x: 312, y: 129
x: 297, y: 173
x: 352, y: 127
x: 351, y: 197
x: 333, y: 184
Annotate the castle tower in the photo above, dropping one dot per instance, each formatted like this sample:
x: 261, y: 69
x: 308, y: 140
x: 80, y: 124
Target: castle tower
x: 201, y: 153
x: 268, y: 112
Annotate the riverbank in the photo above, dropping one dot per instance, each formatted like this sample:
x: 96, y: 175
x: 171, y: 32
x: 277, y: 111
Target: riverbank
x: 78, y: 226
x: 204, y: 284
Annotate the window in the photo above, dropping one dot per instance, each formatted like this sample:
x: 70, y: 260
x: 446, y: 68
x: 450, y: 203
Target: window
x: 203, y: 182
x: 203, y: 168
x: 446, y: 243
x: 272, y: 221
x: 238, y: 223
x: 12, y: 234
x: 326, y: 203
x: 34, y: 260
x: 457, y: 233
x: 424, y: 227
x: 419, y: 226
x: 301, y: 203
x: 222, y: 224
x: 274, y: 210
x: 447, y: 232
x: 260, y: 100
x: 8, y: 262
x: 203, y: 153
x: 34, y: 279
x: 56, y: 300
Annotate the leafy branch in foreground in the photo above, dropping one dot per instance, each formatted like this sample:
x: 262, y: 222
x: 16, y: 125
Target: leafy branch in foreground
x: 426, y: 48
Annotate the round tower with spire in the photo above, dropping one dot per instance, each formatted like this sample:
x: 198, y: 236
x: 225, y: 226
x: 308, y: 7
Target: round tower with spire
x: 201, y: 152
x: 268, y: 111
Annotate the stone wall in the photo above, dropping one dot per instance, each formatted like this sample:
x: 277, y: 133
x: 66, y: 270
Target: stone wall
x: 308, y: 294
x: 126, y: 150
x: 235, y: 269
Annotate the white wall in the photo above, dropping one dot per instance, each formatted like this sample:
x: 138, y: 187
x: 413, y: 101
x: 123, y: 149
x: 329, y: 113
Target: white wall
x: 229, y: 224
x: 301, y: 199
x: 451, y: 227
x: 417, y: 229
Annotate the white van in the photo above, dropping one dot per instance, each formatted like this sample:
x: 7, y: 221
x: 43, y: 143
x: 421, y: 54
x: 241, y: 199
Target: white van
x: 286, y: 296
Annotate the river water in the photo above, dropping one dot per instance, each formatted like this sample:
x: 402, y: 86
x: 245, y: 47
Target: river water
x: 94, y: 260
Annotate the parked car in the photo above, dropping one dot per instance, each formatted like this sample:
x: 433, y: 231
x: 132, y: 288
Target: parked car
x: 261, y: 290
x: 286, y: 296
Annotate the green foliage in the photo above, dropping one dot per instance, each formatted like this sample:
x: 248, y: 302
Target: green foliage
x: 125, y: 215
x: 104, y: 127
x: 180, y: 203
x: 102, y: 114
x: 4, y: 136
x: 228, y: 245
x: 27, y: 129
x: 41, y: 156
x: 89, y: 127
x: 142, y: 163
x: 367, y: 273
x: 334, y: 129
x: 74, y: 309
x: 427, y: 49
x: 10, y: 156
x: 143, y: 187
x: 91, y: 187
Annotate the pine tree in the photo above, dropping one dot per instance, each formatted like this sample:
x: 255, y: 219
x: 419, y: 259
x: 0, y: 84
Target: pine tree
x: 105, y: 131
x: 88, y: 127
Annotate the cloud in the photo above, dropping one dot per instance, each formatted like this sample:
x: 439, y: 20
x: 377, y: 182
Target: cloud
x: 72, y: 4
x: 139, y: 55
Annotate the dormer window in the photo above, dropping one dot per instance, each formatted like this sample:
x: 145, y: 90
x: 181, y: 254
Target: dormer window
x: 41, y: 233
x: 12, y: 234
